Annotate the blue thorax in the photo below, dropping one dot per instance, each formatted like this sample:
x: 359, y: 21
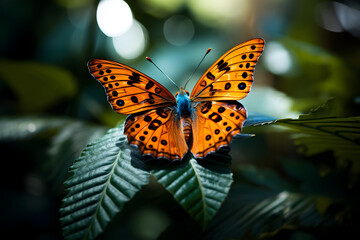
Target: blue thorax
x: 183, y: 103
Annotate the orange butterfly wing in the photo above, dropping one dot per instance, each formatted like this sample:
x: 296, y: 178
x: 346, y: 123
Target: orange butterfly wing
x: 231, y: 77
x: 157, y: 133
x: 128, y: 90
x: 215, y: 124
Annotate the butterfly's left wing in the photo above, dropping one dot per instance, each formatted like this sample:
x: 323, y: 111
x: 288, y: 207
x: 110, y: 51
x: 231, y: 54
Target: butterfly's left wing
x: 214, y: 124
x: 157, y: 133
x: 231, y: 77
x: 128, y: 90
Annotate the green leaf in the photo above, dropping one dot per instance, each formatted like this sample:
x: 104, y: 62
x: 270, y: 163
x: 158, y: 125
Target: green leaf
x: 199, y: 190
x: 105, y: 177
x: 320, y: 130
x: 22, y: 128
x: 37, y: 86
x: 340, y: 135
x: 327, y: 110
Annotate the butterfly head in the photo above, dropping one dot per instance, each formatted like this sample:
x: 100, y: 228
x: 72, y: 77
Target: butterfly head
x: 182, y: 92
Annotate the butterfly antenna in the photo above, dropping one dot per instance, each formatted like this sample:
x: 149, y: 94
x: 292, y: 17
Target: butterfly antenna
x: 197, y: 67
x: 149, y: 59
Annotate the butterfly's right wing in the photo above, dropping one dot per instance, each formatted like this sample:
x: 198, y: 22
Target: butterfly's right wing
x: 128, y: 90
x: 214, y: 125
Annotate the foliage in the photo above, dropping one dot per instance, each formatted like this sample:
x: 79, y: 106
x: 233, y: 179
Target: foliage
x: 103, y: 181
x: 274, y: 202
x: 320, y: 131
x: 261, y: 203
x: 108, y: 174
x: 340, y: 135
x: 199, y: 190
x: 259, y: 208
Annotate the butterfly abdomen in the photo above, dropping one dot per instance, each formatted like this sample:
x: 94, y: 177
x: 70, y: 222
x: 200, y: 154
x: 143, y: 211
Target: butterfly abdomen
x: 187, y: 128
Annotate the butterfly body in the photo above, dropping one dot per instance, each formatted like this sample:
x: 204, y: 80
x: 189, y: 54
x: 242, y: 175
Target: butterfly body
x: 183, y: 102
x: 165, y: 126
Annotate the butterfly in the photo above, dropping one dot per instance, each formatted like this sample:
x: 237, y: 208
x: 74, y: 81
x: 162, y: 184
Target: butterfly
x: 165, y: 126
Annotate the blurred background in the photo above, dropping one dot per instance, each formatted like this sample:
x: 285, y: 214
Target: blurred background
x: 51, y: 107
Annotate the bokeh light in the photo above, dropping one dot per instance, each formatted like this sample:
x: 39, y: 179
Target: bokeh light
x: 326, y: 17
x: 218, y: 13
x: 162, y: 8
x: 132, y: 43
x: 114, y: 17
x: 338, y: 17
x: 269, y: 98
x: 277, y: 58
x: 349, y: 18
x: 178, y: 30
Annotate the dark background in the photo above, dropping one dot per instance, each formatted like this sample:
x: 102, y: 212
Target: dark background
x: 51, y: 107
